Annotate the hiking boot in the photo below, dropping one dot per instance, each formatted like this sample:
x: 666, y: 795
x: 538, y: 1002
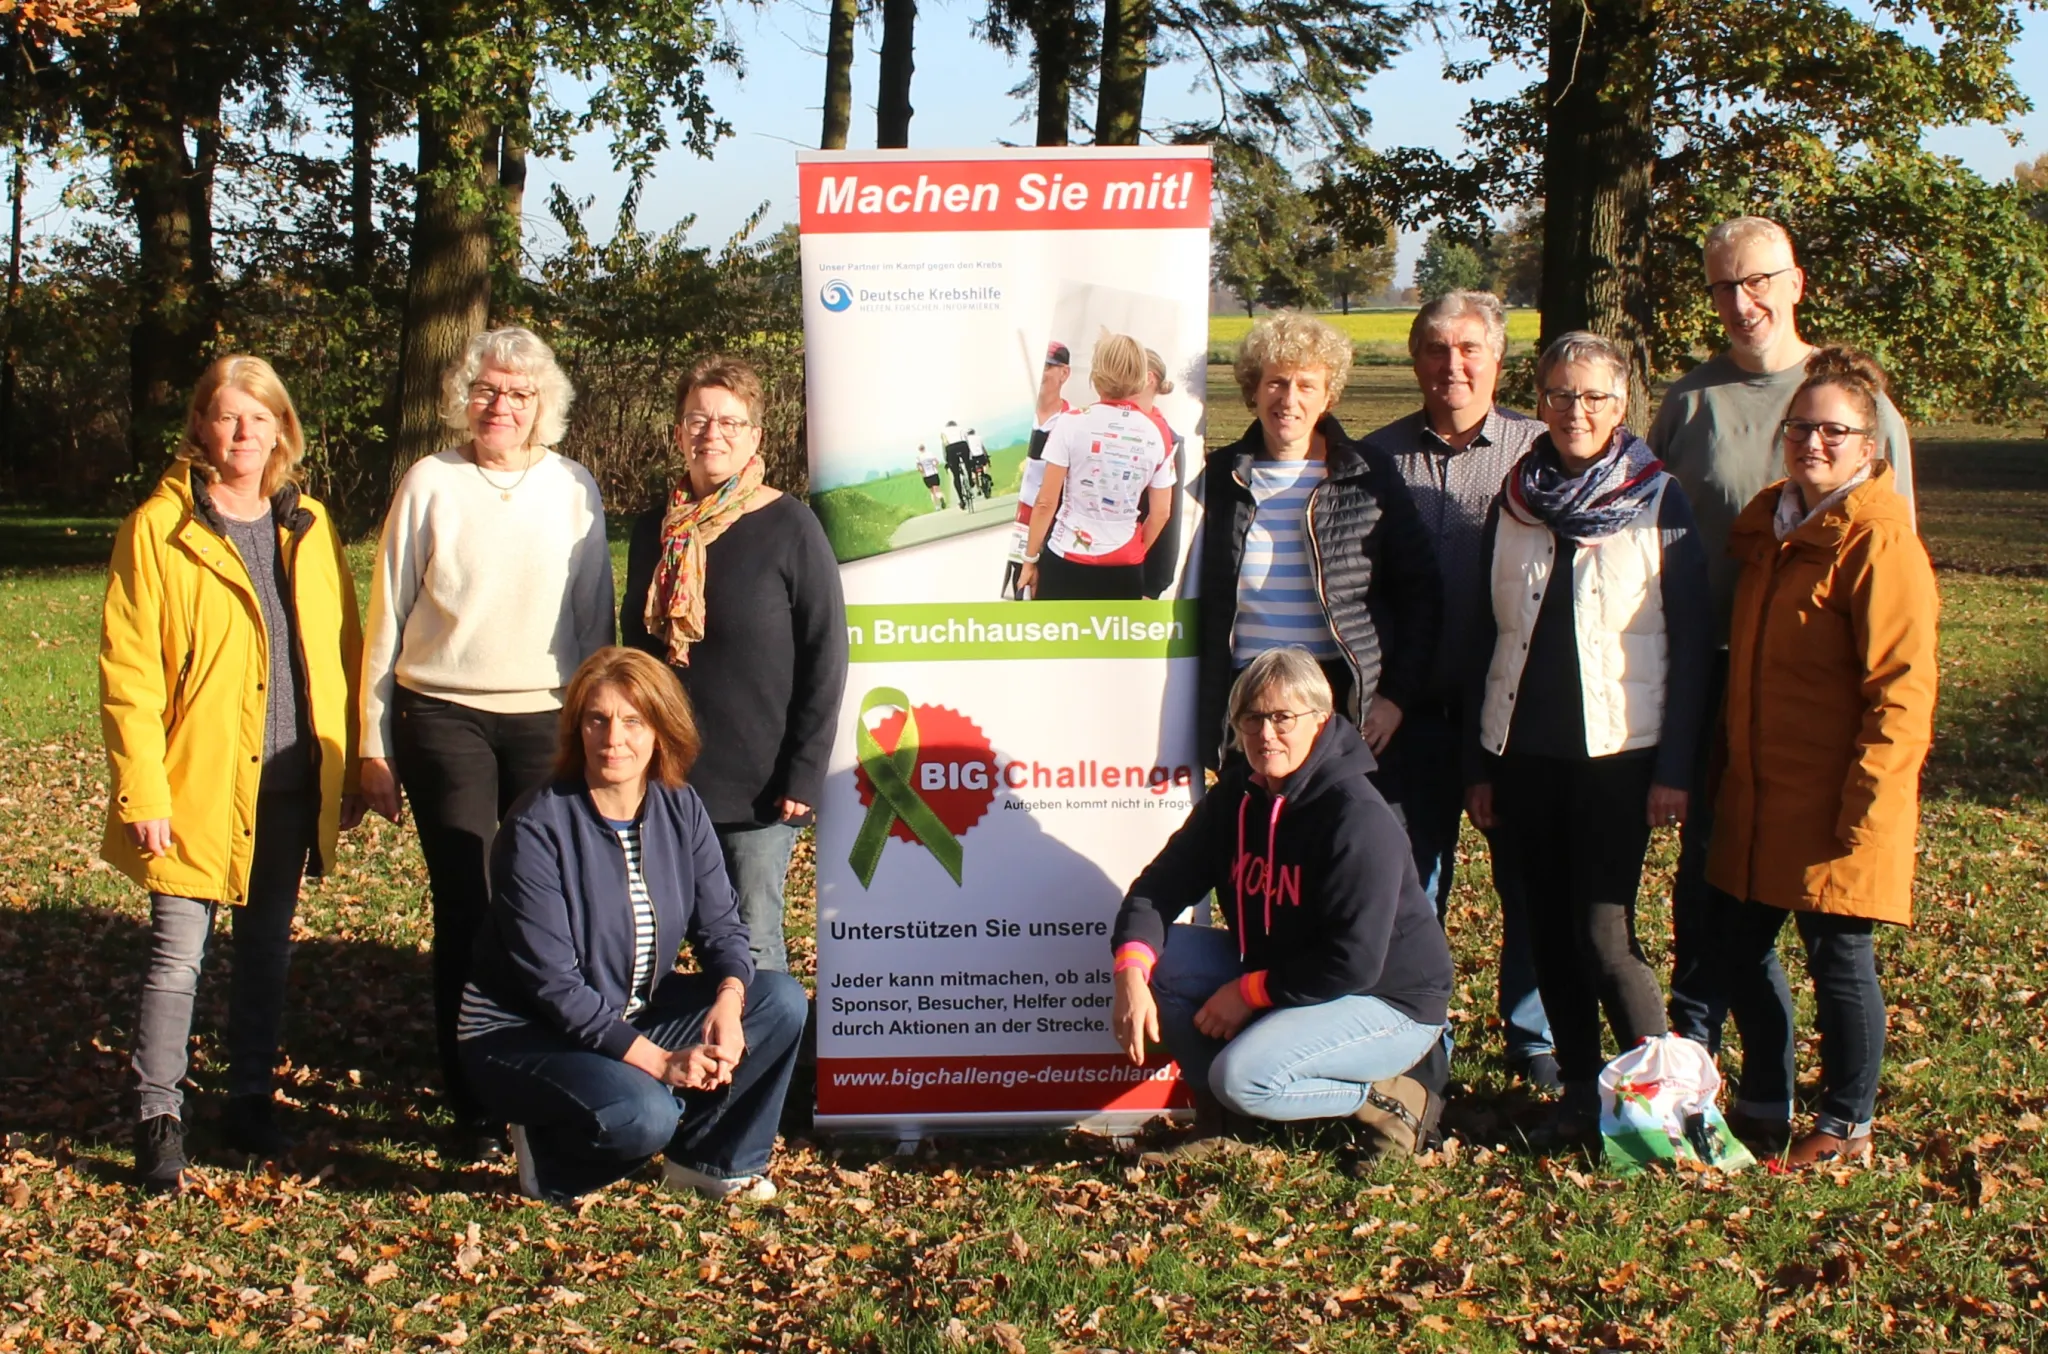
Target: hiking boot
x: 249, y: 1126
x: 1217, y: 1132
x: 160, y: 1154
x: 1399, y: 1115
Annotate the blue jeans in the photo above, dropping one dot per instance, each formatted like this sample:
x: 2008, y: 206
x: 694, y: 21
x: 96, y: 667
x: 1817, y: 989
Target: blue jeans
x: 1292, y: 1062
x: 1435, y: 804
x: 591, y: 1119
x: 1841, y: 955
x: 286, y: 825
x: 757, y: 862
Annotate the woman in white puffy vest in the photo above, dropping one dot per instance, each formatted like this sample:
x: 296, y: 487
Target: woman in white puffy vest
x: 1588, y: 698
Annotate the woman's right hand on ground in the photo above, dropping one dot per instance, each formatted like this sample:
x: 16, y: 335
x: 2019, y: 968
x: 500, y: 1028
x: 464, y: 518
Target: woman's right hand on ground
x: 152, y: 836
x: 380, y: 788
x: 1479, y: 805
x: 1133, y: 1015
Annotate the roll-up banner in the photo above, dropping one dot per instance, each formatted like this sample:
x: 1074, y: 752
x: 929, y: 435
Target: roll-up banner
x: 1006, y: 764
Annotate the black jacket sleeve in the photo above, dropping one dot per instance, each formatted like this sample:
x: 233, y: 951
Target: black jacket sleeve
x: 818, y: 612
x: 531, y: 908
x: 716, y: 932
x: 1688, y: 639
x: 1478, y: 763
x: 1361, y: 895
x: 641, y: 552
x: 1185, y: 869
x: 1410, y: 608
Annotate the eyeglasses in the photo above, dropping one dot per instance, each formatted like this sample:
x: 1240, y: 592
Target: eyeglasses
x: 1283, y: 721
x: 486, y: 396
x: 1594, y: 400
x: 1832, y: 435
x: 1756, y: 284
x: 696, y: 425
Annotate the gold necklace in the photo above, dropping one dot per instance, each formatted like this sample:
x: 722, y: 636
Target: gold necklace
x: 505, y: 490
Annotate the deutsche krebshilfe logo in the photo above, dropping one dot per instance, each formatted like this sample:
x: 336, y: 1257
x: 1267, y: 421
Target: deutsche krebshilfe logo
x: 835, y: 296
x: 927, y: 774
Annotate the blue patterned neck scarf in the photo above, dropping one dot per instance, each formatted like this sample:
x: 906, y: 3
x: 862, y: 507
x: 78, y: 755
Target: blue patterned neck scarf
x: 1596, y: 502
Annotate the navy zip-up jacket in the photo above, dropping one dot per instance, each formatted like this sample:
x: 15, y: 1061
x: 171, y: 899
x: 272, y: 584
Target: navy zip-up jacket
x: 1317, y: 883
x: 557, y: 948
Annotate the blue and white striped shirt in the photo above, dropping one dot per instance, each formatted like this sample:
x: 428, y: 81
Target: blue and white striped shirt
x: 1277, y: 604
x: 643, y: 915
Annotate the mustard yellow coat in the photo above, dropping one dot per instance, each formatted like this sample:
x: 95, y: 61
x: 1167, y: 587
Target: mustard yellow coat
x: 184, y: 657
x: 1831, y: 689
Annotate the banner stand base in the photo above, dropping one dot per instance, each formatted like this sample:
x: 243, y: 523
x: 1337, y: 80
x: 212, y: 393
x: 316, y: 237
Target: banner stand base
x: 908, y: 1132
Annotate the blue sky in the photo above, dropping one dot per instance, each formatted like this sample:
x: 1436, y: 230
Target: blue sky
x: 961, y: 95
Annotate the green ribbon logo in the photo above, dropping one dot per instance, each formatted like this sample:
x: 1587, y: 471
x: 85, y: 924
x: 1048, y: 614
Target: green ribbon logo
x: 896, y: 799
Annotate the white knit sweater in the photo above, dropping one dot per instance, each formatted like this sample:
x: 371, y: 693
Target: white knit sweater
x: 485, y: 595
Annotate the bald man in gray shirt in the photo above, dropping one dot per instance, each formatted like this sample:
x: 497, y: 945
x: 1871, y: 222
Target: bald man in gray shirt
x: 1717, y: 432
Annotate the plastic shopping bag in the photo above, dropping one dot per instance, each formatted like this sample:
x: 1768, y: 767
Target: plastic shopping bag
x: 1657, y: 1104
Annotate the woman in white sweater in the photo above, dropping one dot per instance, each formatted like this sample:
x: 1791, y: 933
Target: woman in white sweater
x: 493, y: 584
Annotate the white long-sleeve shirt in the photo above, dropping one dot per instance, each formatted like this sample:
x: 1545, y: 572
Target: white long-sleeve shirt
x: 485, y: 594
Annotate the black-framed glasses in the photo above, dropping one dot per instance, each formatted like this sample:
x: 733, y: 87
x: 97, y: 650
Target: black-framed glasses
x: 696, y: 425
x: 1756, y: 284
x: 1594, y: 400
x: 486, y: 395
x: 1799, y: 431
x: 1283, y: 721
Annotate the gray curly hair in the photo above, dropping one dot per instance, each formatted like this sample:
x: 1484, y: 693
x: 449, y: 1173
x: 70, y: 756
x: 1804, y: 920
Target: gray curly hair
x: 513, y: 349
x: 1292, y: 339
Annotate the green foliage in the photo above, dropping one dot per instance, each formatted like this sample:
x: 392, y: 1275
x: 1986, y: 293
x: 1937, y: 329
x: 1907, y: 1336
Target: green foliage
x: 1812, y: 111
x: 1448, y: 265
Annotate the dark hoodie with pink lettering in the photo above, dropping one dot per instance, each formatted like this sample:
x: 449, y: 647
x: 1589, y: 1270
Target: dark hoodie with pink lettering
x: 1317, y: 883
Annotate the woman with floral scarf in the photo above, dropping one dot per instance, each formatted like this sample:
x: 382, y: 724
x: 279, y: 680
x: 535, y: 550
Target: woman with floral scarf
x: 1587, y: 699
x: 734, y: 586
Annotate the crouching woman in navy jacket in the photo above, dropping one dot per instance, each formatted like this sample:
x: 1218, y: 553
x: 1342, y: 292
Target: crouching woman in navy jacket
x: 1326, y: 996
x: 574, y: 1028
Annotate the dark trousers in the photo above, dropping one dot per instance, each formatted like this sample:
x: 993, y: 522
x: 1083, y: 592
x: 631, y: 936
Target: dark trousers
x: 1578, y: 831
x: 1697, y: 1008
x: 1061, y: 580
x: 591, y: 1119
x: 1841, y: 954
x: 461, y: 769
x: 1434, y: 802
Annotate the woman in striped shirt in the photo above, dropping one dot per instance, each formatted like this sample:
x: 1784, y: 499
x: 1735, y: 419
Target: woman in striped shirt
x: 575, y: 1028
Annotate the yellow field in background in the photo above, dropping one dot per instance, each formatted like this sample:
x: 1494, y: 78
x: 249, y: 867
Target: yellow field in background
x: 1372, y: 326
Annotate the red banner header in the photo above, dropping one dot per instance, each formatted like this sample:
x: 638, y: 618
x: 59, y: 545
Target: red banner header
x: 879, y: 196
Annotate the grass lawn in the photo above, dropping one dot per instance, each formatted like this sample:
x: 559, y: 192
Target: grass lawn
x: 1037, y: 1243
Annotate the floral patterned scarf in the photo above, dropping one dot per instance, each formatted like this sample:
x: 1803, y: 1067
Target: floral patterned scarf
x: 675, y: 602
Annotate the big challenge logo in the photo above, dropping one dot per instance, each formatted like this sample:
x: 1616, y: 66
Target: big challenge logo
x: 927, y: 774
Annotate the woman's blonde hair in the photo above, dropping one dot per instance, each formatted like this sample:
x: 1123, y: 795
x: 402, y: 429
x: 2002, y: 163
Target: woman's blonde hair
x: 1291, y: 673
x: 1117, y: 367
x: 648, y: 687
x: 513, y: 349
x: 259, y: 381
x: 1292, y: 339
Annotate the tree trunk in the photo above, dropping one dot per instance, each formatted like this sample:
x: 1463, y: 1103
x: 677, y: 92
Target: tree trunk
x: 362, y: 174
x: 513, y: 138
x: 1599, y: 151
x: 17, y: 190
x: 892, y: 106
x: 1127, y: 30
x: 839, y: 75
x: 448, y: 290
x: 1055, y: 49
x: 176, y: 304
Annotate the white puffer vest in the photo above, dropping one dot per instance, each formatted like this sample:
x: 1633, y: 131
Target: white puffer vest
x: 1617, y: 612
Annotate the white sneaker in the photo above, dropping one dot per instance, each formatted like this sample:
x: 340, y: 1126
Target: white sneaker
x: 754, y: 1189
x: 522, y: 1156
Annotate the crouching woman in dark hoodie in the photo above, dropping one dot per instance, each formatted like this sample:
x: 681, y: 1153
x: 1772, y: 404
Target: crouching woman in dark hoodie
x: 1326, y: 996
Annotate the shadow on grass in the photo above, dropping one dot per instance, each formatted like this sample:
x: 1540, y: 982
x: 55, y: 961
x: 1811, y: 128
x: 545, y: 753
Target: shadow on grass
x: 1991, y: 740
x: 30, y: 539
x: 360, y: 1086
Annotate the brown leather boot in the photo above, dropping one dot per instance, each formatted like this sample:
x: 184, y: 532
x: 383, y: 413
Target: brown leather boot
x: 1399, y: 1115
x: 1217, y: 1132
x: 1829, y: 1149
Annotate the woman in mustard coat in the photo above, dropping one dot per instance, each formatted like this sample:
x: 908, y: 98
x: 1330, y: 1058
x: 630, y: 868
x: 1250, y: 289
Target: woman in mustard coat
x: 1831, y: 693
x: 228, y: 662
